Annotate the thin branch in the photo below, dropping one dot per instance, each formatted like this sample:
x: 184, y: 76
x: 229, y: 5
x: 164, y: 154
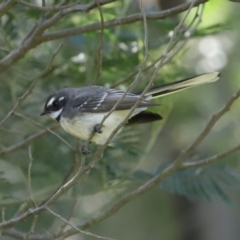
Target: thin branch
x: 88, y: 7
x: 29, y: 180
x: 34, y: 38
x: 100, y: 46
x: 127, y: 198
x: 27, y: 141
x: 3, y: 219
x: 20, y: 210
x: 75, y: 7
x: 73, y: 205
x: 183, y: 155
x: 37, y: 37
x: 16, y: 234
x: 76, y: 228
x: 48, y: 129
x: 213, y: 159
x: 75, y: 163
x: 32, y: 85
x: 32, y: 229
x: 4, y: 50
x: 118, y: 21
x: 43, y: 13
x: 74, y: 166
x: 44, y: 8
x: 4, y: 7
x: 52, y: 199
x: 3, y: 214
x: 134, y: 72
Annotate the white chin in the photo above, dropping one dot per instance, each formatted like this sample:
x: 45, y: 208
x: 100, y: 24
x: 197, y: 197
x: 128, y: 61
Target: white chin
x: 56, y: 114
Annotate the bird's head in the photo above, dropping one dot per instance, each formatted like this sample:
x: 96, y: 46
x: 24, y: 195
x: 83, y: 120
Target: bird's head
x: 55, y: 104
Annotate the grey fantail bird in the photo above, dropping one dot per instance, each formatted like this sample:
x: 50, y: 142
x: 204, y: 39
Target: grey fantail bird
x: 80, y: 110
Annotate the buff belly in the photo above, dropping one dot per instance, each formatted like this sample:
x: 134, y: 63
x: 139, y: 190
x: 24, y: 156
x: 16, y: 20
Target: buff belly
x: 82, y: 125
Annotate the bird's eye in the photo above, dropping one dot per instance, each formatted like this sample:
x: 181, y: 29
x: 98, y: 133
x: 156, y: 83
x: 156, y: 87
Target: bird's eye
x: 55, y: 103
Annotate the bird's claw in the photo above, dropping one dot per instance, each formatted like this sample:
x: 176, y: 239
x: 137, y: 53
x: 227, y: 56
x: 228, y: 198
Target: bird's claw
x: 85, y: 150
x: 97, y: 128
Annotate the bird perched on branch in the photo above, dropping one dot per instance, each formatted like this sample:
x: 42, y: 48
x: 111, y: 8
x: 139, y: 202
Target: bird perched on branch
x: 81, y: 111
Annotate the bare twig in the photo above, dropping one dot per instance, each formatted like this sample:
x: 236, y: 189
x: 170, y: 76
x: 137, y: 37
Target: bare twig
x: 76, y: 228
x: 74, y: 166
x: 16, y: 234
x: 4, y: 50
x: 100, y: 46
x: 29, y: 90
x: 213, y: 159
x: 36, y: 37
x: 182, y: 156
x: 43, y: 13
x: 3, y: 214
x: 5, y: 6
x: 187, y: 36
x: 20, y: 210
x: 44, y: 8
x: 3, y: 219
x: 27, y: 141
x: 118, y: 21
x: 48, y: 129
x: 29, y: 177
x: 70, y: 8
x: 75, y: 163
x: 127, y: 198
x: 32, y: 229
x: 62, y: 228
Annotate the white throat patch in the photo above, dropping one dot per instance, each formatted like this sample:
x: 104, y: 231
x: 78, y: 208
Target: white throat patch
x: 56, y: 114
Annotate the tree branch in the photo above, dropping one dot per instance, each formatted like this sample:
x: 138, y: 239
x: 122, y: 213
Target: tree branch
x: 34, y: 38
x: 32, y: 85
x: 37, y: 37
x: 27, y: 141
x: 4, y: 7
x: 118, y: 21
x: 213, y: 159
x: 76, y: 228
x: 183, y: 155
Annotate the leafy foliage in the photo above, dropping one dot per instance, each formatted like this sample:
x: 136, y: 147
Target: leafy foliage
x: 203, y: 183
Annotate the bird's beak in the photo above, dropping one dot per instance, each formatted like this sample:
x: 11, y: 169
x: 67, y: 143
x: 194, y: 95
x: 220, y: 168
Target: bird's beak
x: 43, y: 113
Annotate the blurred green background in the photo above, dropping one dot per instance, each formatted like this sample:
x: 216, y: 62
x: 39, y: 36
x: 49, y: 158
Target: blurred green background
x: 198, y: 204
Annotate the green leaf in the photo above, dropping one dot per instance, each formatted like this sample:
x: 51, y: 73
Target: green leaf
x: 203, y: 183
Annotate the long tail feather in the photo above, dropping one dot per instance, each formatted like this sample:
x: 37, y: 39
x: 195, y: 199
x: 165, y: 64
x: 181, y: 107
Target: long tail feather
x: 180, y: 85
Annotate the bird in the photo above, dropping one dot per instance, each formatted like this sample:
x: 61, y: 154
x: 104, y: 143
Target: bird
x: 80, y: 111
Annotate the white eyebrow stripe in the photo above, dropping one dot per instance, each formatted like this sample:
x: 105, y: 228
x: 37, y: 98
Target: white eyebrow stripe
x: 61, y: 98
x: 50, y: 101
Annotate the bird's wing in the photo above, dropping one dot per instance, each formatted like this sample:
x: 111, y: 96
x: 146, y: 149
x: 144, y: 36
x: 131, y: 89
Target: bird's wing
x: 104, y: 101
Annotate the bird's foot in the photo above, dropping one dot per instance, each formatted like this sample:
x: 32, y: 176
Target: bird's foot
x: 97, y: 128
x: 85, y: 150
